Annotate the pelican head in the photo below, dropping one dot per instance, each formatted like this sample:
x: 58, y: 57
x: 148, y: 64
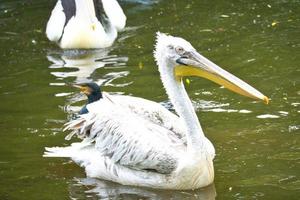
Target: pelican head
x: 92, y: 91
x: 179, y: 55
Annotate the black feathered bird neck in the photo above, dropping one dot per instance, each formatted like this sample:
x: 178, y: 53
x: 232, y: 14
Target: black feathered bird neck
x: 93, y: 93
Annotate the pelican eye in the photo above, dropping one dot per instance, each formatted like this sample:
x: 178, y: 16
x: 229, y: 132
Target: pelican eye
x: 180, y: 50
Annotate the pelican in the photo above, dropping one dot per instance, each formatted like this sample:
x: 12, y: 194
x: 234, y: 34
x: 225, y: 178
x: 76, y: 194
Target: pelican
x: 85, y: 24
x: 133, y: 148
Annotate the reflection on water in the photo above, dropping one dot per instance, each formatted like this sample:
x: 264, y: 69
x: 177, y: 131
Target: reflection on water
x: 210, y: 106
x: 90, y: 188
x: 83, y: 63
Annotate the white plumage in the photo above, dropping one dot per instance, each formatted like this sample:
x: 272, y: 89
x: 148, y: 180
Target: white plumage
x: 85, y: 24
x: 134, y: 141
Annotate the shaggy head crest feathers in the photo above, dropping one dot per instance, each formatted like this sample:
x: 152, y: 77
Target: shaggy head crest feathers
x: 165, y: 42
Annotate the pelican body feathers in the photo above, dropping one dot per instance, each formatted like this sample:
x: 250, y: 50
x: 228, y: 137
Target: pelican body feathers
x: 133, y: 141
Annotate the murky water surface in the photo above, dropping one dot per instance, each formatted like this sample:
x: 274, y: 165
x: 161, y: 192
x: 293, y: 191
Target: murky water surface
x: 257, y: 145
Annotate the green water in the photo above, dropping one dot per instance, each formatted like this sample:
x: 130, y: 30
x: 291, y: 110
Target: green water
x: 257, y: 145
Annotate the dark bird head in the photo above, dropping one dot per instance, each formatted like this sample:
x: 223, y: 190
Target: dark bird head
x: 92, y: 91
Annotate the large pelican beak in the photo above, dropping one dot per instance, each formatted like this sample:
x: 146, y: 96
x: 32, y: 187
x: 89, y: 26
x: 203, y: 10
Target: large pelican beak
x: 194, y: 64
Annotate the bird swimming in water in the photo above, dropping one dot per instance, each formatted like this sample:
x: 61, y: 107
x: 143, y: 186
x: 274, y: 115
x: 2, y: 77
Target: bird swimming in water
x: 85, y: 24
x: 134, y: 144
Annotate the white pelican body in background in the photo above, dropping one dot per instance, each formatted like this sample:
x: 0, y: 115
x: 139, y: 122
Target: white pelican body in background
x: 84, y: 24
x: 131, y: 148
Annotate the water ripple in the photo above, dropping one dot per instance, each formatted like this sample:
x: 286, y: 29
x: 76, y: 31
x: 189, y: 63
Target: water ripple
x: 267, y: 116
x: 287, y: 182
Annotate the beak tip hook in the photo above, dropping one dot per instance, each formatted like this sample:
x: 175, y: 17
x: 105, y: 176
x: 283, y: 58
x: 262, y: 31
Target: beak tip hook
x: 266, y: 100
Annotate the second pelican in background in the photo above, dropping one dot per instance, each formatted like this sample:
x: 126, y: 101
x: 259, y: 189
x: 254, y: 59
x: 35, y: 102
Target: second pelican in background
x: 85, y: 24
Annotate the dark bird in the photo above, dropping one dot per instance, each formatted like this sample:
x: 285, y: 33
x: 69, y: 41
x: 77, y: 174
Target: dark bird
x: 93, y: 93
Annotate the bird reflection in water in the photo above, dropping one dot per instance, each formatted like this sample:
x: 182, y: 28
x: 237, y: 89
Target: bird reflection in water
x: 84, y: 61
x: 91, y: 188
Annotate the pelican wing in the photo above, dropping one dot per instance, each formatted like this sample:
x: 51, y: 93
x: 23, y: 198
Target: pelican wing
x: 128, y: 139
x: 151, y: 111
x: 63, y: 11
x: 156, y: 113
x: 56, y: 23
x: 115, y: 13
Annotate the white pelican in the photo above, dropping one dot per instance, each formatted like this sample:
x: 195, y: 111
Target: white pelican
x: 123, y: 144
x: 85, y: 24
